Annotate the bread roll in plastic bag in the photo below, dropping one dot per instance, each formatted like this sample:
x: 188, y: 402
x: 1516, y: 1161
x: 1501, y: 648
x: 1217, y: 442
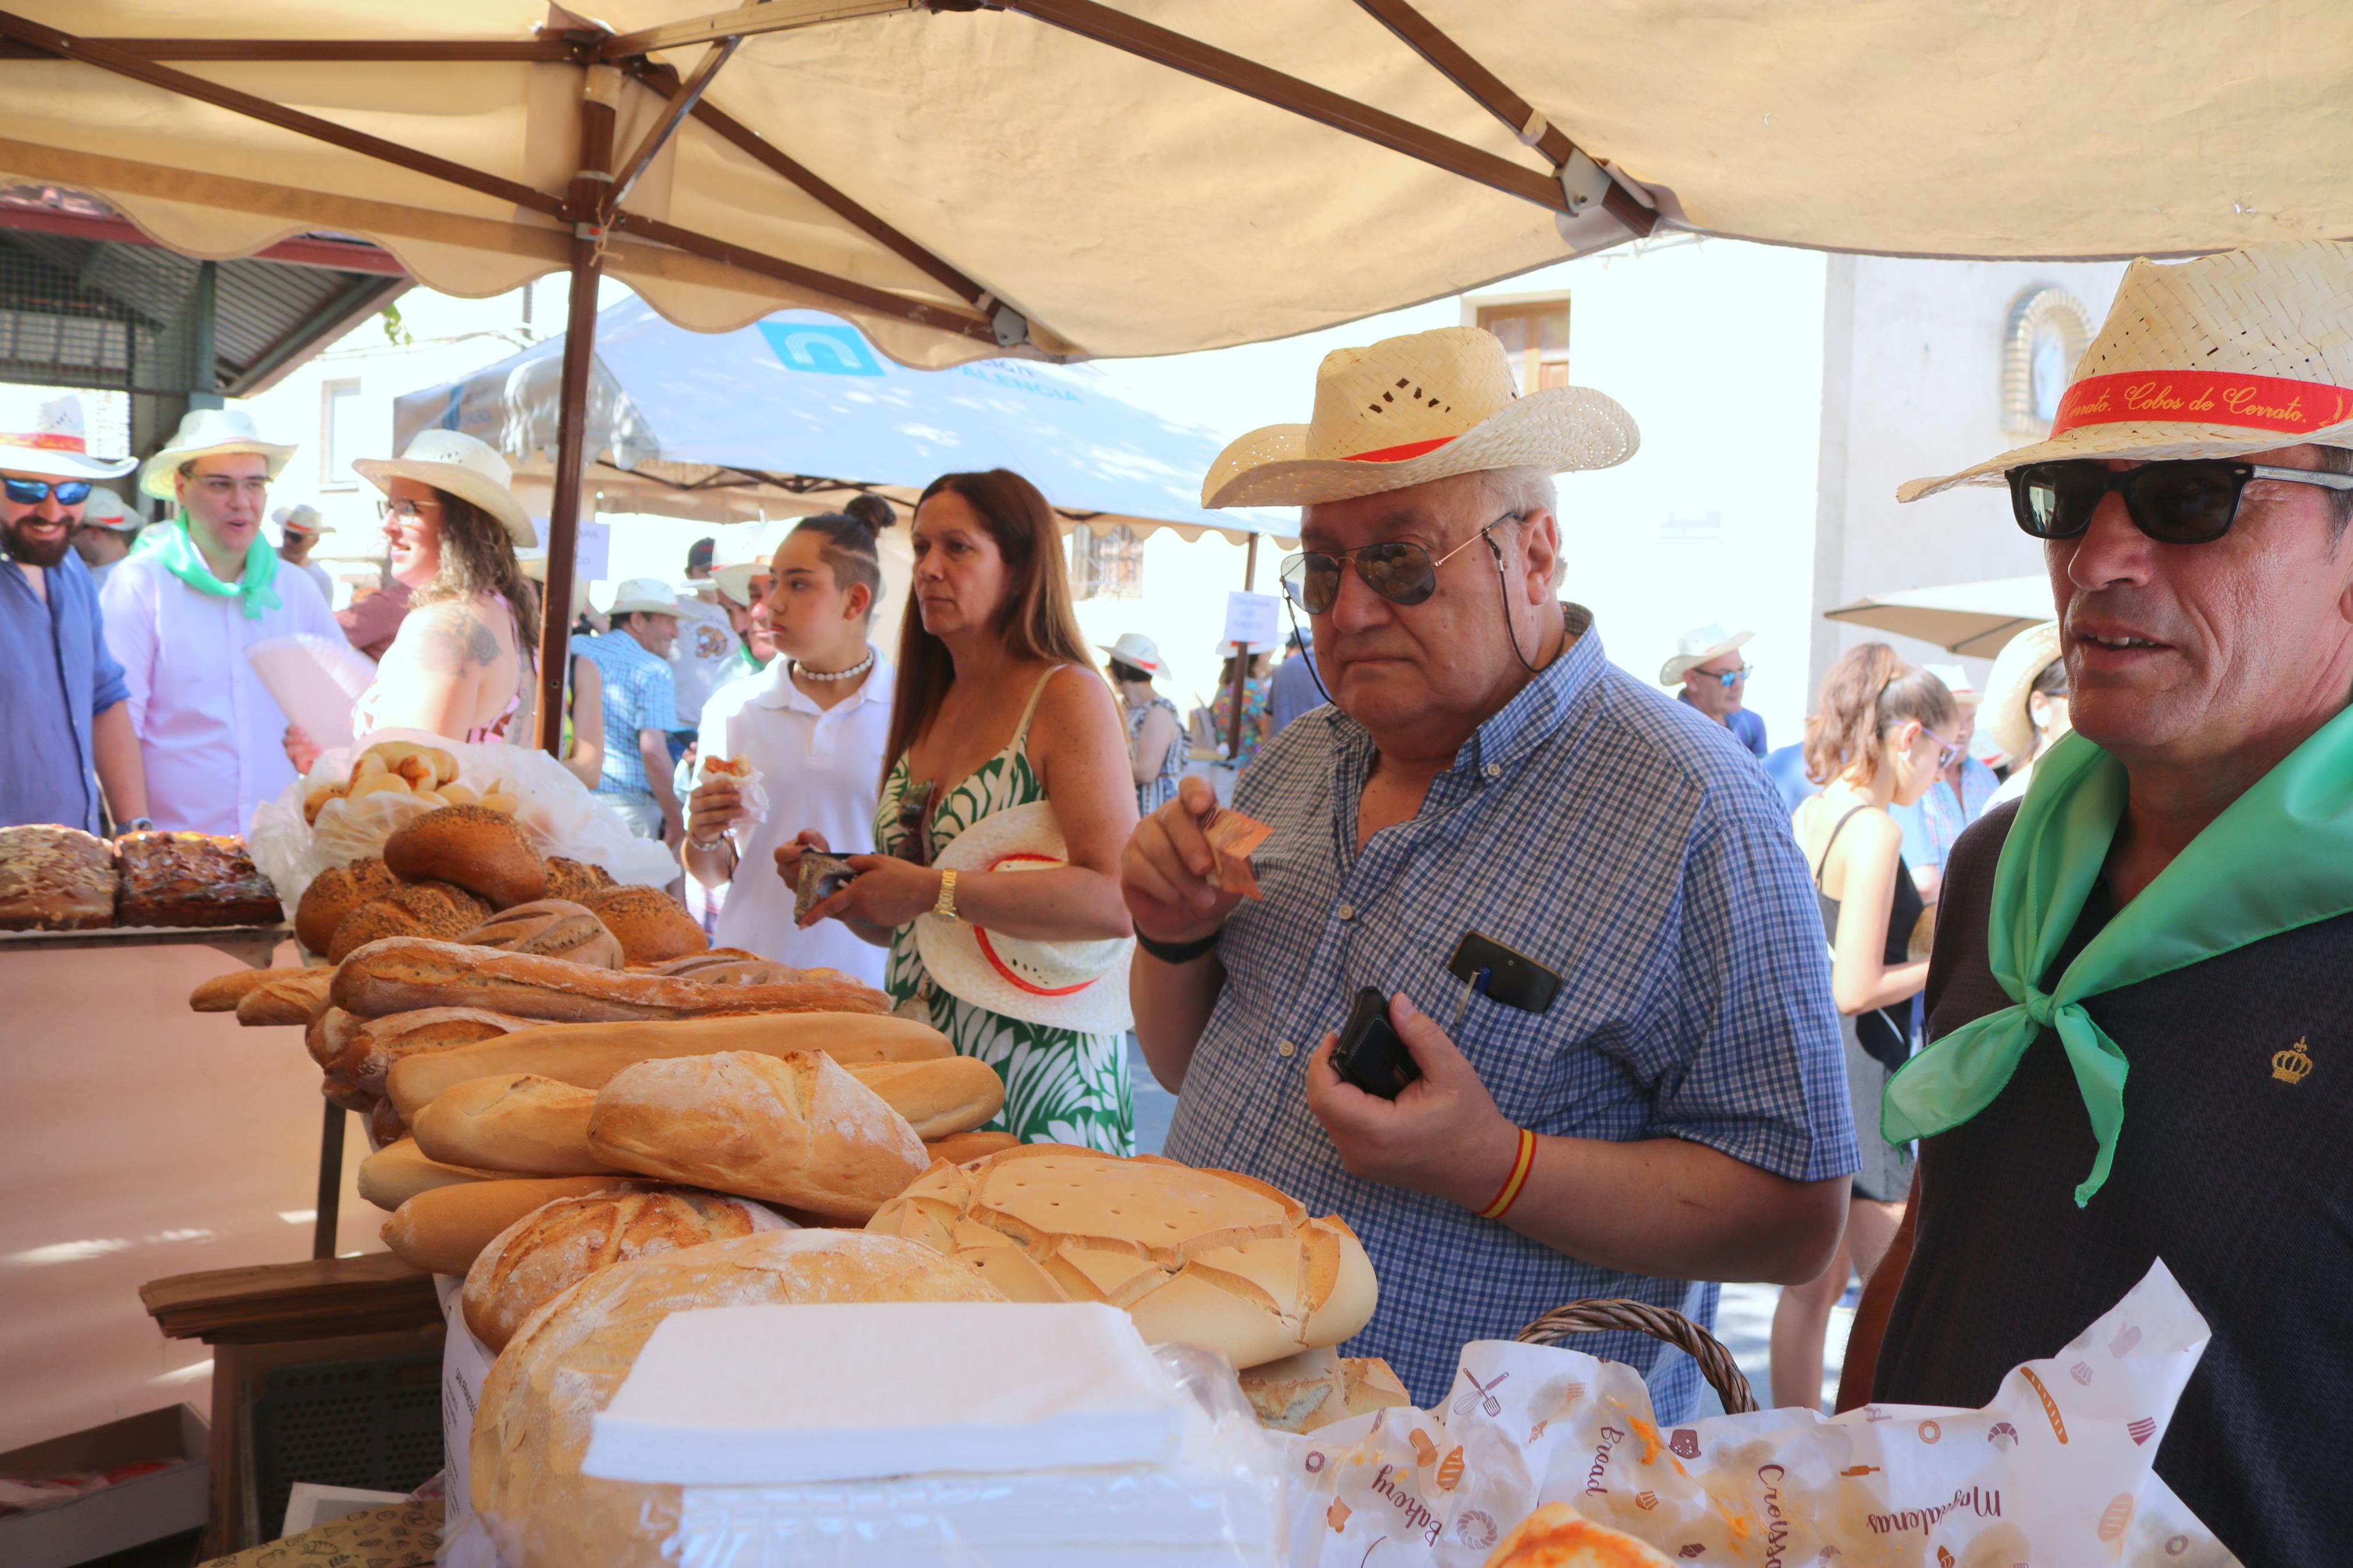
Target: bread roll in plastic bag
x: 556, y: 812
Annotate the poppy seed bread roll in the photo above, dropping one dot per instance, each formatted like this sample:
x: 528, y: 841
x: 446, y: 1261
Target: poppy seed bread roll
x: 480, y: 849
x: 335, y: 893
x: 573, y: 880
x: 442, y: 910
x: 653, y: 927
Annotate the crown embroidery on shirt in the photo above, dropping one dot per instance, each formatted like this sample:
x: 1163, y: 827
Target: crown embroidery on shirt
x: 2292, y: 1065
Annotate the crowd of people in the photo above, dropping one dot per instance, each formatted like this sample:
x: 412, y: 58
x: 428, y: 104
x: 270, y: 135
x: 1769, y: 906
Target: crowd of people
x: 1854, y: 1008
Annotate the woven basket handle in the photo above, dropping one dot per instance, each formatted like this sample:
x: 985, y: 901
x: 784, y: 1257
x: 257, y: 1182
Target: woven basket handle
x: 1716, y: 1363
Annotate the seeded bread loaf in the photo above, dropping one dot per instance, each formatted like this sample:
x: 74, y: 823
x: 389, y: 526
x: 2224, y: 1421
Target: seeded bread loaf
x: 480, y: 849
x: 334, y: 893
x: 442, y: 910
x: 573, y: 880
x: 653, y: 926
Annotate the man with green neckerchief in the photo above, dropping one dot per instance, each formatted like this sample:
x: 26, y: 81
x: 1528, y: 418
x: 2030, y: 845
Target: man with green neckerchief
x: 2140, y: 1004
x: 181, y: 610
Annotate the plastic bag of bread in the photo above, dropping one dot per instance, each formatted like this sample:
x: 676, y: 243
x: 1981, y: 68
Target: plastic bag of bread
x: 1205, y: 1257
x: 354, y: 797
x: 567, y: 1359
x: 2056, y: 1469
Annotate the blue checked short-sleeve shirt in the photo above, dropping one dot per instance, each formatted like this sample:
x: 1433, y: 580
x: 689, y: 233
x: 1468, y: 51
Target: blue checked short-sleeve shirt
x: 1625, y: 841
x: 640, y: 693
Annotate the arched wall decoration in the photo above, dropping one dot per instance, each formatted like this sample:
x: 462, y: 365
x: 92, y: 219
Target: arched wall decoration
x: 2049, y: 331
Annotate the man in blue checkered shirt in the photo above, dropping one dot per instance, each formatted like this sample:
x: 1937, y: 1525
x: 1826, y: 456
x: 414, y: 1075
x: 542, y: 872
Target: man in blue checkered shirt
x: 1678, y: 1115
x: 640, y: 708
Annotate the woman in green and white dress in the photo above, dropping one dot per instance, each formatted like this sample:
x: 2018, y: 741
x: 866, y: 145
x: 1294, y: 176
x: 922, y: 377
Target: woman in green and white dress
x: 999, y: 705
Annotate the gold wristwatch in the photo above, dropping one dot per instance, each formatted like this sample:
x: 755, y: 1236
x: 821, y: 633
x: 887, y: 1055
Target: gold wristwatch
x: 946, y: 908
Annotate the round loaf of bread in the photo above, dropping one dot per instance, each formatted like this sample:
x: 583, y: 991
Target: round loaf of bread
x: 567, y: 1362
x: 337, y: 893
x: 472, y: 845
x: 553, y: 928
x: 1209, y: 1257
x: 575, y: 880
x: 442, y: 910
x: 653, y: 926
x: 550, y: 1249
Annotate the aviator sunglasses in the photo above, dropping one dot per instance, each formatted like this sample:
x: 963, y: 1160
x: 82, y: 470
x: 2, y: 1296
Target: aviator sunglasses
x: 33, y: 492
x: 1398, y: 570
x: 2189, y: 503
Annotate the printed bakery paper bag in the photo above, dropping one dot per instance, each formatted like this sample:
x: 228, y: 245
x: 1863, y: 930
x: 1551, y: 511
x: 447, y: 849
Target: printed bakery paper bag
x: 2055, y: 1471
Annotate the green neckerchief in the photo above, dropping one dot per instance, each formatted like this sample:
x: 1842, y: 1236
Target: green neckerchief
x: 181, y: 560
x: 2280, y: 857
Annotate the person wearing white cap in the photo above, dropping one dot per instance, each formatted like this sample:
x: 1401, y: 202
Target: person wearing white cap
x: 196, y: 592
x: 705, y: 649
x: 64, y: 713
x: 1678, y: 1114
x: 740, y: 570
x: 1958, y: 798
x: 812, y: 728
x: 299, y: 528
x: 641, y: 708
x: 1153, y: 734
x: 2136, y: 1039
x: 106, y: 533
x: 1714, y: 679
x: 2026, y: 705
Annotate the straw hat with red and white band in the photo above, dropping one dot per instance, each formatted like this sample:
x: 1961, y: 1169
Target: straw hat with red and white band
x: 1136, y: 651
x: 46, y: 436
x: 1077, y: 986
x: 2219, y: 357
x: 1411, y: 409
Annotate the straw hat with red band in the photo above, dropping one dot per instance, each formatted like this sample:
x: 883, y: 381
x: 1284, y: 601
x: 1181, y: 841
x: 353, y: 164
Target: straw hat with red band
x: 46, y: 436
x: 2218, y: 357
x: 1412, y: 410
x: 1077, y: 986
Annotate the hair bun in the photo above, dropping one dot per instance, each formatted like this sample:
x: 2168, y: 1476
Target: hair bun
x: 871, y: 511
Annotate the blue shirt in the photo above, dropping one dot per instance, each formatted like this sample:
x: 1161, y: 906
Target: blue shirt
x: 639, y: 695
x: 1786, y: 767
x: 1295, y: 691
x: 55, y: 677
x: 1932, y: 823
x: 1603, y: 831
x: 1746, y: 727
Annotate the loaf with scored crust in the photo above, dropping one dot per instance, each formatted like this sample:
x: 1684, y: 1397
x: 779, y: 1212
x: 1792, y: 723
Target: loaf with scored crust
x: 399, y: 974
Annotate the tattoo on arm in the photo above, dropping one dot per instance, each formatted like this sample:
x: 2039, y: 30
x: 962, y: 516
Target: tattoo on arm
x: 454, y: 644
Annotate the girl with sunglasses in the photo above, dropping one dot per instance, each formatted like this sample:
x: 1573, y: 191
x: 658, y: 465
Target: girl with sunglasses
x: 1877, y: 740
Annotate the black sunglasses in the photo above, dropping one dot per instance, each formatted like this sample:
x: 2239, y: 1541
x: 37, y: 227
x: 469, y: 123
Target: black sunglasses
x: 2189, y: 503
x: 33, y: 492
x: 1400, y: 572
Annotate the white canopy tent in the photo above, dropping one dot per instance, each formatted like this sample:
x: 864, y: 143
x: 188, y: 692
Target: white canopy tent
x: 1973, y: 619
x: 1063, y: 178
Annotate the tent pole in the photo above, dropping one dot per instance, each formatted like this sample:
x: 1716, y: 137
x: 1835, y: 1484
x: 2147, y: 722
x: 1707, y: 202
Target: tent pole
x: 589, y: 190
x: 1242, y: 662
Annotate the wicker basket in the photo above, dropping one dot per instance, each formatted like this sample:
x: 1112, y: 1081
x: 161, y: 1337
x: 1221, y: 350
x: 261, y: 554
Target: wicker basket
x: 1716, y: 1363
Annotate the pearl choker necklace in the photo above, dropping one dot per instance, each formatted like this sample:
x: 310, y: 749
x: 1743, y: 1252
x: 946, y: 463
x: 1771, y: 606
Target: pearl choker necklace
x: 852, y: 673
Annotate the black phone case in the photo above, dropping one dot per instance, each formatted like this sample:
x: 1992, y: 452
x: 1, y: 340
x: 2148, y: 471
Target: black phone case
x: 1369, y: 1054
x: 1513, y: 979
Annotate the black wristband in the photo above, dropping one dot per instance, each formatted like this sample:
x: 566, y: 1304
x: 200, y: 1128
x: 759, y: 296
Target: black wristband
x: 1177, y: 951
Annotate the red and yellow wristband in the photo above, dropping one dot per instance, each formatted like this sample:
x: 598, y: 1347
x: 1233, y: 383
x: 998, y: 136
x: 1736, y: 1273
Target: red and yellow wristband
x: 1522, y: 1163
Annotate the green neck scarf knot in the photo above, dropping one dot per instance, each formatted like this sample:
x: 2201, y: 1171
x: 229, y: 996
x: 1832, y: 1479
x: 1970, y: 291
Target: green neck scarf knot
x: 179, y: 555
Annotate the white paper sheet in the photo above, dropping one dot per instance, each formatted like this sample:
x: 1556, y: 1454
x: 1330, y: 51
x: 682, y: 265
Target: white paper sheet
x: 314, y: 681
x: 754, y: 1396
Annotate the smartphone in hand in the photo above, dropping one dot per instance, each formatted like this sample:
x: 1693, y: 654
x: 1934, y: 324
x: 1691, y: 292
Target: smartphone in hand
x: 1369, y: 1054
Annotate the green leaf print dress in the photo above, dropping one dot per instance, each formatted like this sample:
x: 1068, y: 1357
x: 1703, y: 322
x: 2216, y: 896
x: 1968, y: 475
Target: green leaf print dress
x: 1061, y: 1086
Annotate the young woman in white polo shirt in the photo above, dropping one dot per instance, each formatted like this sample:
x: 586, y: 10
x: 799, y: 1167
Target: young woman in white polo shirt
x: 813, y: 725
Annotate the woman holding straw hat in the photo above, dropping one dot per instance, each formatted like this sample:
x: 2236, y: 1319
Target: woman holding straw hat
x: 2026, y: 707
x: 461, y: 663
x: 1006, y: 803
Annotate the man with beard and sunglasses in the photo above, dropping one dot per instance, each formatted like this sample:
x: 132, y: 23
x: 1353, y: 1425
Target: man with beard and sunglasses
x: 2136, y: 1001
x: 64, y: 712
x: 1677, y: 1113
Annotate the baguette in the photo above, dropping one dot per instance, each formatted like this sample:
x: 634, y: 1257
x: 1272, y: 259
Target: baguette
x: 588, y: 1055
x: 327, y: 1034
x: 399, y: 974
x: 949, y: 1094
x: 222, y: 993
x: 515, y: 1121
x: 442, y: 1229
x: 398, y: 1172
x: 797, y: 1130
x: 290, y: 996
x: 339, y: 1090
x: 372, y: 1044
x: 958, y: 1147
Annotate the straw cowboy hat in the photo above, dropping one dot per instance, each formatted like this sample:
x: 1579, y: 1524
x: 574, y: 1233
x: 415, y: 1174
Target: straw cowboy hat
x: 2021, y: 659
x: 208, y: 432
x: 454, y: 461
x: 46, y: 436
x: 650, y: 595
x: 304, y: 518
x: 1137, y: 650
x: 1062, y: 984
x: 1696, y: 647
x: 1412, y: 410
x: 742, y: 553
x: 2214, y: 358
x: 105, y: 510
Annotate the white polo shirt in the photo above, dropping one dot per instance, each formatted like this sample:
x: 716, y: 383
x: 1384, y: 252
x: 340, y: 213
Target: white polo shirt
x: 822, y: 768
